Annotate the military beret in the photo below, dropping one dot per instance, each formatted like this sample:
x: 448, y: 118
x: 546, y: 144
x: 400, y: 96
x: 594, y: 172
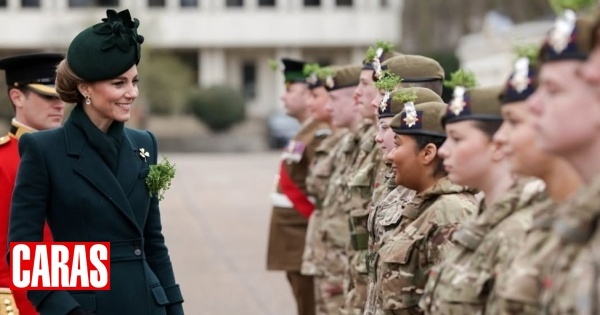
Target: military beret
x: 342, y: 77
x: 311, y: 71
x: 377, y: 54
x: 570, y: 38
x: 414, y: 68
x: 34, y: 71
x: 474, y: 104
x: 293, y: 70
x: 421, y: 119
x: 523, y: 80
x: 107, y: 49
x: 391, y: 105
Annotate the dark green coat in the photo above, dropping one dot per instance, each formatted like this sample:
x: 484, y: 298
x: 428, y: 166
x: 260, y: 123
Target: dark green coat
x: 61, y: 178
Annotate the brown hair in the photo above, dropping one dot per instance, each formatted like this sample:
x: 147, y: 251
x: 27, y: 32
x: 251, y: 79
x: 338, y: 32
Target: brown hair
x: 488, y: 127
x: 66, y: 83
x: 422, y: 141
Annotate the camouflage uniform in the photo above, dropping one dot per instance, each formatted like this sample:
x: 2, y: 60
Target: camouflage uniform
x: 383, y: 219
x: 360, y: 190
x: 419, y: 242
x: 485, y: 247
x: 332, y: 234
x: 519, y: 290
x: 571, y: 277
x: 320, y: 172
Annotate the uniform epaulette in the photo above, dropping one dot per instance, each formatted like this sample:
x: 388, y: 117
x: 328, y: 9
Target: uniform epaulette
x: 324, y: 132
x: 4, y: 140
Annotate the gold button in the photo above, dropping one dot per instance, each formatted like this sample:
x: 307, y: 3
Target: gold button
x: 9, y: 308
x: 10, y: 313
x: 6, y: 302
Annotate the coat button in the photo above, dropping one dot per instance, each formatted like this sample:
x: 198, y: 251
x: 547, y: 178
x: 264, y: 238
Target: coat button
x: 137, y: 252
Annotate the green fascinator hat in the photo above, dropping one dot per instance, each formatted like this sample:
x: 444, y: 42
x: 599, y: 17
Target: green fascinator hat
x: 107, y: 49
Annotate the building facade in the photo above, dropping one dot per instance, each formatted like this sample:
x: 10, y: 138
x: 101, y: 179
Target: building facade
x: 226, y: 41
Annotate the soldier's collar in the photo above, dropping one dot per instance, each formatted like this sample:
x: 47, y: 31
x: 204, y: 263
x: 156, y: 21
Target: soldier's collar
x: 17, y: 129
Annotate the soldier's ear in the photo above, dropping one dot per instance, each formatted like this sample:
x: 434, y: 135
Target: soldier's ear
x: 428, y: 154
x: 17, y: 97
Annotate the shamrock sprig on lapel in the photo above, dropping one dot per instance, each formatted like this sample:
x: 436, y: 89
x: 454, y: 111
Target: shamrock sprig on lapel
x: 159, y: 178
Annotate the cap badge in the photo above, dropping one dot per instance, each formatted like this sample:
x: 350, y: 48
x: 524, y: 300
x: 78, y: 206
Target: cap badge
x: 383, y: 105
x: 411, y: 114
x: 563, y: 27
x: 458, y: 100
x: 520, y: 80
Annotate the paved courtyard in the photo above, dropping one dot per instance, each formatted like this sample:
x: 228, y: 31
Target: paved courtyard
x: 216, y: 219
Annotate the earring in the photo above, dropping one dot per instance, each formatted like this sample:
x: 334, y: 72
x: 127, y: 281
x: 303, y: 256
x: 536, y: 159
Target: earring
x: 88, y: 100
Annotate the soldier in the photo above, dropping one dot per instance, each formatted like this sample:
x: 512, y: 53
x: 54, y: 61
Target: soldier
x: 331, y: 236
x: 570, y: 284
x: 291, y: 204
x: 30, y: 80
x: 360, y: 185
x: 519, y: 287
x: 485, y: 246
x: 320, y: 172
x: 381, y: 217
x: 420, y: 240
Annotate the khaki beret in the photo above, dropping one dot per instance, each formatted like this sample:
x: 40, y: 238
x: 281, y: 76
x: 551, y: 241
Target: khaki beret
x: 474, y: 104
x: 562, y: 45
x: 393, y: 106
x: 414, y: 68
x: 423, y: 119
x: 343, y: 77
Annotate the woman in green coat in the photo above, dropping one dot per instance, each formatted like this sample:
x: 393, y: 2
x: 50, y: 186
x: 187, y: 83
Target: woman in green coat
x: 87, y: 179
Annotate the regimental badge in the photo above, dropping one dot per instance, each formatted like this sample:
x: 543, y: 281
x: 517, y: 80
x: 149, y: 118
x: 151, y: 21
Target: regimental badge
x: 329, y: 82
x: 312, y: 79
x: 376, y: 63
x: 458, y: 100
x: 520, y: 80
x: 411, y: 114
x: 293, y: 152
x: 383, y: 105
x: 561, y: 34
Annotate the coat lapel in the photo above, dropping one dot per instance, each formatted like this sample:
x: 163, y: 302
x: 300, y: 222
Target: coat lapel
x: 91, y: 167
x: 130, y: 163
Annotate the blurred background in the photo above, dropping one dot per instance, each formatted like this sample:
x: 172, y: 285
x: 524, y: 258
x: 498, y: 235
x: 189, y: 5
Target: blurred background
x: 206, y: 84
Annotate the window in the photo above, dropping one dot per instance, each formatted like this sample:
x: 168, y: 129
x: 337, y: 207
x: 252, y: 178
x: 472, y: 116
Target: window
x: 156, y: 3
x: 343, y: 3
x: 312, y: 3
x: 30, y: 3
x: 189, y: 3
x: 234, y: 3
x: 93, y: 3
x: 249, y: 79
x: 266, y: 3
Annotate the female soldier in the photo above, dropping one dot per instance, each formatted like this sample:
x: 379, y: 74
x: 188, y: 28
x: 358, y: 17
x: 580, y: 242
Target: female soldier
x: 519, y: 290
x: 566, y: 116
x: 402, y: 264
x: 87, y: 179
x: 463, y: 283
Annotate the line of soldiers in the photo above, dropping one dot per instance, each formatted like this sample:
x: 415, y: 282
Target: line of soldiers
x: 390, y: 201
